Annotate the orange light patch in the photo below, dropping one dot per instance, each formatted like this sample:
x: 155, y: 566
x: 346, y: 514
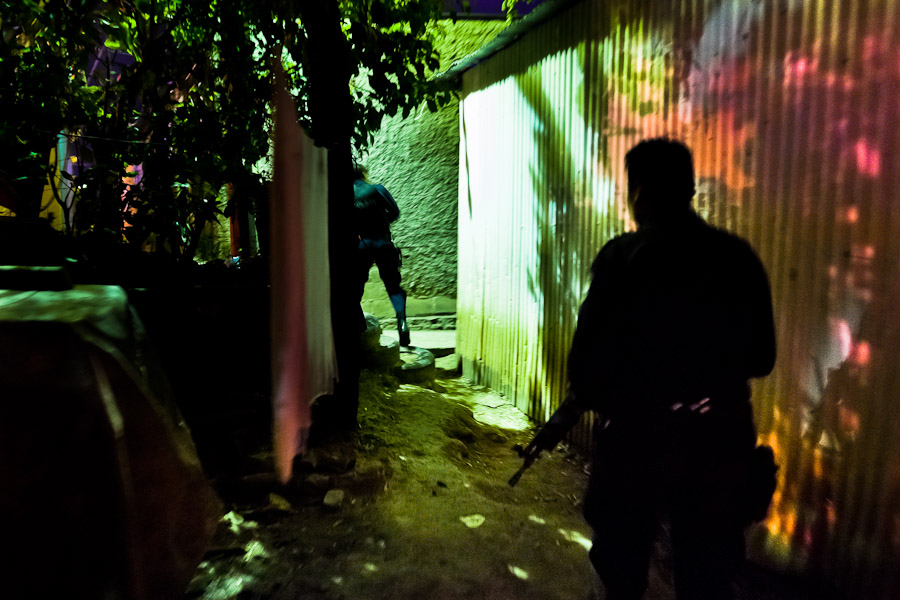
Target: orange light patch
x: 863, y: 353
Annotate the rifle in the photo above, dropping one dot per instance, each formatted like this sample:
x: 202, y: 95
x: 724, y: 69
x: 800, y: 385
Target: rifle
x: 548, y: 436
x: 529, y: 460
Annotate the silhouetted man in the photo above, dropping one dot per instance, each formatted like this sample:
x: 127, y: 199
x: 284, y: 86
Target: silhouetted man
x: 678, y: 317
x: 374, y: 211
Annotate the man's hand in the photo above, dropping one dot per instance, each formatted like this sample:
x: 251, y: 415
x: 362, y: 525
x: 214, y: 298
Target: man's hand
x: 530, y: 453
x: 528, y: 460
x: 549, y: 435
x: 546, y: 439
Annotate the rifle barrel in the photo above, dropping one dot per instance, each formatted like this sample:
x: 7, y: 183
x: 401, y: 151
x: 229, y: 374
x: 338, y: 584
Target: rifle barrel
x: 518, y: 474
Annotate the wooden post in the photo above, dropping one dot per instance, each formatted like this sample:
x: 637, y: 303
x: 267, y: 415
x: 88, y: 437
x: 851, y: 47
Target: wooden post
x: 330, y: 104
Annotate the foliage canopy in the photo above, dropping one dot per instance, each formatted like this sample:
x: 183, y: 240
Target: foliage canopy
x: 175, y: 94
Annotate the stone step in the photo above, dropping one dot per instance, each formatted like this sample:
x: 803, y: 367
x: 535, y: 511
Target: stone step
x: 422, y: 323
x: 439, y: 342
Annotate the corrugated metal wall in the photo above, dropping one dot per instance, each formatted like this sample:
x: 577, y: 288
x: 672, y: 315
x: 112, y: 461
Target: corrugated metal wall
x: 790, y: 107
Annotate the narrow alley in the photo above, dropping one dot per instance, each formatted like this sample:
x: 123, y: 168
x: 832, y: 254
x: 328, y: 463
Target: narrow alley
x: 426, y: 512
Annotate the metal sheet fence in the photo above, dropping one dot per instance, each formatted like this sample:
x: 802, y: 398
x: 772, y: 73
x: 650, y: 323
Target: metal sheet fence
x: 790, y: 108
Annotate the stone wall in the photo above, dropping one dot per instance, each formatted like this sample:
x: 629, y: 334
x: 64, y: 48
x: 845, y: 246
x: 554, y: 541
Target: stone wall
x: 417, y: 159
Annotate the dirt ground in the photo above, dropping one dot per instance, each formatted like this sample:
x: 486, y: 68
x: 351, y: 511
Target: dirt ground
x: 427, y: 513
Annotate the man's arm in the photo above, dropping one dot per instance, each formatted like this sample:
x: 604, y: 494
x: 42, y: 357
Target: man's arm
x: 390, y: 205
x: 550, y: 434
x: 594, y: 353
x: 591, y: 359
x: 554, y: 430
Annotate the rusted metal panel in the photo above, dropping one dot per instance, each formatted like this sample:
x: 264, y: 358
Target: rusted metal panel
x: 790, y: 109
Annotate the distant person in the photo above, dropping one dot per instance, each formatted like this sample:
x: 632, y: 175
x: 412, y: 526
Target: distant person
x: 678, y: 317
x: 374, y: 211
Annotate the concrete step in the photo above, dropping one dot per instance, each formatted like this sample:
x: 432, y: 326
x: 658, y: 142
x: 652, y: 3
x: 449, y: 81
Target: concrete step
x: 439, y: 342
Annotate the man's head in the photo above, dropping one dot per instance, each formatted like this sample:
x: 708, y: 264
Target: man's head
x: 660, y: 179
x: 360, y: 171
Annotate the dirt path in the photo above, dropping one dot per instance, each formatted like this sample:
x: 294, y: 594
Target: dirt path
x: 427, y: 514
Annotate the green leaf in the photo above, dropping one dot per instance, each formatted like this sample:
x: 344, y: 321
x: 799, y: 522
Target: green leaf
x: 113, y: 43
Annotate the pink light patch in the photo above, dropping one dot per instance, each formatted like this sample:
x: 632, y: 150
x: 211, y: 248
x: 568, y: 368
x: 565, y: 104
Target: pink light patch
x: 844, y: 338
x: 796, y: 69
x: 868, y: 158
x: 871, y: 48
x: 852, y: 214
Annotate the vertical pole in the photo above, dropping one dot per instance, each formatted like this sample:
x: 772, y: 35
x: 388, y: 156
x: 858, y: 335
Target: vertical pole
x: 328, y: 67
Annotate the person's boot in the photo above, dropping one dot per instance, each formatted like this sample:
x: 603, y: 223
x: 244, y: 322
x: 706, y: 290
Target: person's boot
x: 398, y: 300
x: 403, y: 328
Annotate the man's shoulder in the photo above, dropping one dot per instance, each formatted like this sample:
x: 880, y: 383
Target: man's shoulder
x: 729, y: 241
x: 622, y: 240
x: 615, y: 250
x: 695, y: 233
x: 617, y: 245
x: 360, y: 186
x: 732, y: 253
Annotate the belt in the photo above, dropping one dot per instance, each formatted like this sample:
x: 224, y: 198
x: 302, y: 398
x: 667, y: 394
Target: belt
x: 730, y: 400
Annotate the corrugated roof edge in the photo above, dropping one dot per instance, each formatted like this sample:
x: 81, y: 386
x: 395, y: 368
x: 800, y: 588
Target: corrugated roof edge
x: 541, y: 13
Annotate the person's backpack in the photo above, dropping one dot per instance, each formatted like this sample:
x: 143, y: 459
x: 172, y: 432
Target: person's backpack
x: 374, y: 210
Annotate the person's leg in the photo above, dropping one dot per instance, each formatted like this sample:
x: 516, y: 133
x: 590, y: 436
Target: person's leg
x: 620, y: 506
x: 388, y: 260
x: 707, y: 528
x: 364, y: 260
x: 621, y: 549
x: 707, y: 556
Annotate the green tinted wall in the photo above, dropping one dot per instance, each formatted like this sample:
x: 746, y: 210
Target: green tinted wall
x: 417, y: 159
x: 790, y: 107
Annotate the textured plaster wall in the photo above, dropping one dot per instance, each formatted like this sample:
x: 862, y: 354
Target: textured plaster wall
x: 417, y: 159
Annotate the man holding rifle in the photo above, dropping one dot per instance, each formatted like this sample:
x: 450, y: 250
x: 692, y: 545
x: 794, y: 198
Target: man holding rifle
x: 677, y: 319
